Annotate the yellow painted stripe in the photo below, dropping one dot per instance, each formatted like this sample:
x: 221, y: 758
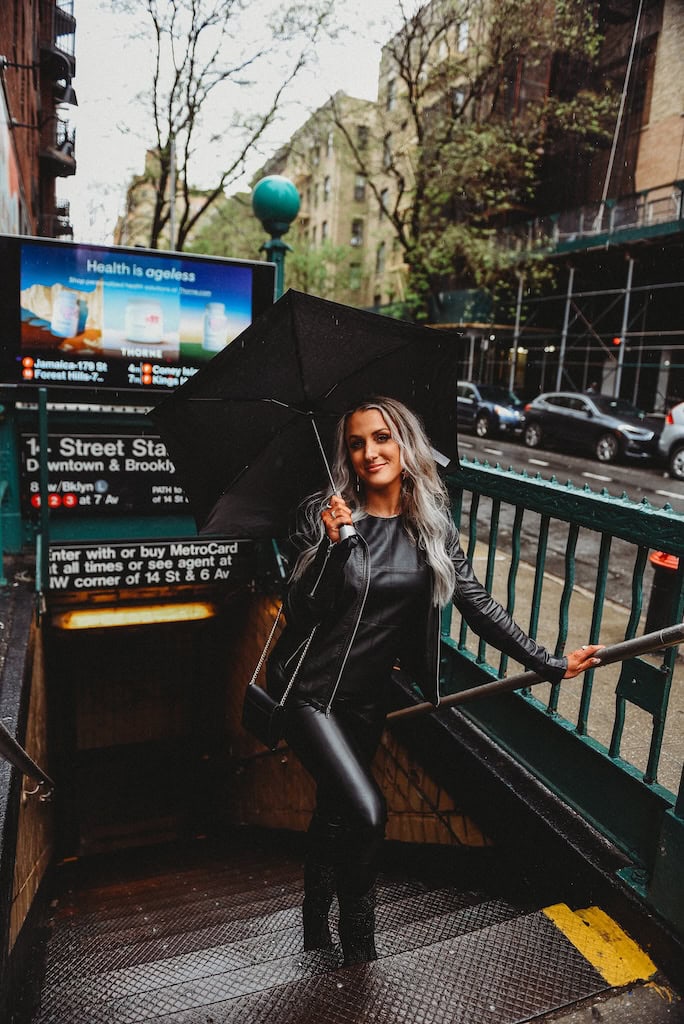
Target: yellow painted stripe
x: 603, y: 943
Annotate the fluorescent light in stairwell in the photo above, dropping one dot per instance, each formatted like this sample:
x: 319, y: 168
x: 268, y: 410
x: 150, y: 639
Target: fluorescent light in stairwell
x: 139, y: 615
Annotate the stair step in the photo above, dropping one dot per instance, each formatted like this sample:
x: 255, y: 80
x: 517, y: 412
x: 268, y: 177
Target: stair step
x: 212, y: 935
x: 79, y: 947
x: 477, y: 964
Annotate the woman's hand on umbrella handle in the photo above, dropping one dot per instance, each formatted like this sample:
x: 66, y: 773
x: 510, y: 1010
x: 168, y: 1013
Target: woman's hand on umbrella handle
x: 582, y: 659
x: 336, y: 514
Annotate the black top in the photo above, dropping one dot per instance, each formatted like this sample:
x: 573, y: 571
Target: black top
x: 399, y: 581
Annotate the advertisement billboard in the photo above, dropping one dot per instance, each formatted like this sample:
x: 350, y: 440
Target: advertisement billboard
x: 94, y: 317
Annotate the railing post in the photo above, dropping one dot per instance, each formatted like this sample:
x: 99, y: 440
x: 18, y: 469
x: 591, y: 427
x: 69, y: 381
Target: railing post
x: 623, y: 330
x: 42, y: 567
x: 680, y: 201
x: 564, y: 333
x: 516, y: 334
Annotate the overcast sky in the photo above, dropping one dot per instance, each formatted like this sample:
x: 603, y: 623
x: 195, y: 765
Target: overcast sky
x: 112, y: 68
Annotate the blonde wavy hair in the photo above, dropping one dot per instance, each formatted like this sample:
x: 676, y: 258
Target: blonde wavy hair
x: 425, y: 507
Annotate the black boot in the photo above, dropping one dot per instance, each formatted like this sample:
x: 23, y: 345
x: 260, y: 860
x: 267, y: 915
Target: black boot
x: 357, y: 927
x: 319, y: 889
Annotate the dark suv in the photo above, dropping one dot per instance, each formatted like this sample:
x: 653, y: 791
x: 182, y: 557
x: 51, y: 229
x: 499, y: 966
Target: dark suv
x: 608, y: 427
x: 488, y: 409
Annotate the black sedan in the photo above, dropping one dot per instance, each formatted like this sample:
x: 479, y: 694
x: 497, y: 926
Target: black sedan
x: 488, y: 409
x: 607, y: 427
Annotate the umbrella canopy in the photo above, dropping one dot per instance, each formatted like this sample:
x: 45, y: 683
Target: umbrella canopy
x: 240, y: 431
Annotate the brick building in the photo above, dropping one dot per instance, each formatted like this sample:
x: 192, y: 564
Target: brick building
x: 37, y: 143
x: 615, y: 313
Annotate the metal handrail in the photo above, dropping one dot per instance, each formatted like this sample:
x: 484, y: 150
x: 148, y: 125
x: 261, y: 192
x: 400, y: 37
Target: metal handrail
x: 13, y: 752
x: 655, y: 641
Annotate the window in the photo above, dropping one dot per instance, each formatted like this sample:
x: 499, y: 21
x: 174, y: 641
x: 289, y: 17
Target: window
x: 362, y: 136
x: 315, y: 194
x: 359, y: 188
x: 357, y: 232
x: 463, y: 36
x: 326, y: 188
x: 559, y: 401
x: 313, y: 235
x: 355, y: 276
x: 391, y: 94
x: 324, y: 231
x: 384, y: 199
x: 329, y: 143
x: 387, y: 151
x: 380, y: 258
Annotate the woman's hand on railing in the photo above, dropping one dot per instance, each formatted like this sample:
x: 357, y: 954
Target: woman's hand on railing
x: 582, y: 659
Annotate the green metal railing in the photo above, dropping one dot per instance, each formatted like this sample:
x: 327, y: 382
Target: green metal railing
x: 572, y: 566
x: 650, y: 213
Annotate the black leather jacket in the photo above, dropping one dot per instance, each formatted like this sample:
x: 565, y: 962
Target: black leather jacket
x: 323, y: 608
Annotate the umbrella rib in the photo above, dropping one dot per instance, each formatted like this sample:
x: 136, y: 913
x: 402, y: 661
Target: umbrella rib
x: 323, y: 455
x: 235, y: 401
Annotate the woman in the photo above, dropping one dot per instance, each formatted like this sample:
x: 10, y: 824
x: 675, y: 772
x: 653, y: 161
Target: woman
x: 353, y: 607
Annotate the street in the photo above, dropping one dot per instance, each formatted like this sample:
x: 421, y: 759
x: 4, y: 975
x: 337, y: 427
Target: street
x: 638, y: 480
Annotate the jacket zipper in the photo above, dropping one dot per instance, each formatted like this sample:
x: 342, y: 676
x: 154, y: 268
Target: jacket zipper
x: 295, y: 653
x: 437, y: 650
x: 362, y: 605
x: 320, y: 575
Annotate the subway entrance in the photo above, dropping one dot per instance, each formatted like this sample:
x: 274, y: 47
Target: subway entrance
x: 137, y: 716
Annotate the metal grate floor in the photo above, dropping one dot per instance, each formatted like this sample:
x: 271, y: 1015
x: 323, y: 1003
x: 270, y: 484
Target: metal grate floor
x: 216, y: 937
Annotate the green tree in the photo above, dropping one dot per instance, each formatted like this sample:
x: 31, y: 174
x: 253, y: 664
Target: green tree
x: 323, y: 270
x: 210, y: 60
x: 230, y: 229
x: 479, y: 102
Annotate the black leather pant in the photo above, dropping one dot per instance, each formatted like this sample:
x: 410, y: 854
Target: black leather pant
x: 348, y: 825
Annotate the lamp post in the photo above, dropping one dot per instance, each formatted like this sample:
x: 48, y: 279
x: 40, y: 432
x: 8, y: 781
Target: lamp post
x: 275, y: 202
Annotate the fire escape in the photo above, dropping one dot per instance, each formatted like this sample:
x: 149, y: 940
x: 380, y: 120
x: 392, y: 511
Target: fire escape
x: 38, y: 88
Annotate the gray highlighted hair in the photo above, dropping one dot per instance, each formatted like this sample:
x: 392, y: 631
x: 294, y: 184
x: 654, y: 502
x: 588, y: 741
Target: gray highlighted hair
x: 425, y: 507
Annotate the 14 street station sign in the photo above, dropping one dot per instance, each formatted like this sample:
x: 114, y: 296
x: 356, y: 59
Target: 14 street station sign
x: 101, y: 474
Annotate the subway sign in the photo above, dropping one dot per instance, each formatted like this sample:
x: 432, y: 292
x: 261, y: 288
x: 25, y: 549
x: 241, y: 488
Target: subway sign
x: 193, y: 562
x: 100, y: 474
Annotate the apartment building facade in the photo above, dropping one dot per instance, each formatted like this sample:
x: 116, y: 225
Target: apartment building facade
x: 615, y: 313
x: 610, y: 221
x: 334, y: 221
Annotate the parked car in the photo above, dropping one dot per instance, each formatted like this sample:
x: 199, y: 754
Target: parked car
x: 607, y: 427
x: 671, y: 441
x: 488, y: 409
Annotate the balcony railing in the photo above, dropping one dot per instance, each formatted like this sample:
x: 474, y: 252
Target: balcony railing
x: 58, y: 37
x: 651, y: 212
x: 58, y: 141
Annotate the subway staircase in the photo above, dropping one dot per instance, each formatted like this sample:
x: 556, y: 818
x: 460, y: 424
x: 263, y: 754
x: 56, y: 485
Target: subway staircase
x: 209, y: 932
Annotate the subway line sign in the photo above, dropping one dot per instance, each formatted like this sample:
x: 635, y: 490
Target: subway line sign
x: 101, y: 474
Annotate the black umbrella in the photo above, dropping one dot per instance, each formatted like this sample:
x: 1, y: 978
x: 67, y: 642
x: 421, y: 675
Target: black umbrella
x: 246, y: 433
